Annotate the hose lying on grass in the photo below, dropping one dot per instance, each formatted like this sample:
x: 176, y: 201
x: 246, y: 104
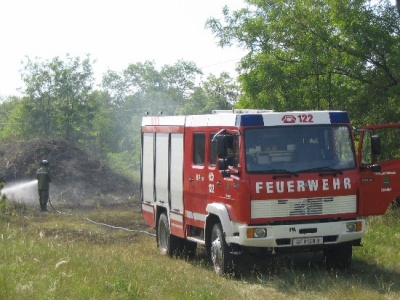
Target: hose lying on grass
x: 104, y: 224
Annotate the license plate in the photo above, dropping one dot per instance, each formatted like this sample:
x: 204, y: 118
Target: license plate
x: 308, y: 241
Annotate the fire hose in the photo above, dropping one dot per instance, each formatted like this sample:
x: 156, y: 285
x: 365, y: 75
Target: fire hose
x: 51, y: 205
x: 104, y: 224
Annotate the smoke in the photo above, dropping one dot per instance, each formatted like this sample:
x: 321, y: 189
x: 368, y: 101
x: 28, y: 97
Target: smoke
x: 21, y: 191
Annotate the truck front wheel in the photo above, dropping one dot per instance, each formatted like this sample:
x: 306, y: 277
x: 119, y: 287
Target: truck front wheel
x: 167, y: 243
x: 338, y: 257
x: 220, y: 256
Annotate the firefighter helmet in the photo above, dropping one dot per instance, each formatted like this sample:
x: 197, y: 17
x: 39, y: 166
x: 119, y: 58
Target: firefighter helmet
x: 44, y: 162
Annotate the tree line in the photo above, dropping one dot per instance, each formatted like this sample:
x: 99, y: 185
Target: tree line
x: 301, y: 54
x: 61, y: 101
x: 318, y: 54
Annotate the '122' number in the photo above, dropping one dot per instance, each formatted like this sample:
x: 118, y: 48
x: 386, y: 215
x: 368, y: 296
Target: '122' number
x: 306, y: 118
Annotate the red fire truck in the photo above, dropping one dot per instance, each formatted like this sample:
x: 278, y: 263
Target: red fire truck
x: 248, y: 180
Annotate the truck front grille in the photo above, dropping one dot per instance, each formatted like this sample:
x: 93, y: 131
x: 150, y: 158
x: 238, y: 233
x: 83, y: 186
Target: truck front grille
x: 303, y: 207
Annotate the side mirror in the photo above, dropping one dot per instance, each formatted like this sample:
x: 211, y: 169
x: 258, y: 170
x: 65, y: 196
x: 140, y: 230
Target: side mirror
x: 375, y: 145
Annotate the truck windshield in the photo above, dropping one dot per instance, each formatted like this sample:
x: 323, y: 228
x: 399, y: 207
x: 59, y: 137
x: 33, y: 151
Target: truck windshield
x: 298, y: 149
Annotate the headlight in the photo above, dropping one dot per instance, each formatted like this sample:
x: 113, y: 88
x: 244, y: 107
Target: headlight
x: 353, y: 226
x: 256, y: 233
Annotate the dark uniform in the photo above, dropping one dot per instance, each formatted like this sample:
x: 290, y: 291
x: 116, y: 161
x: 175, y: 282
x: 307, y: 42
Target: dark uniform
x: 43, y: 176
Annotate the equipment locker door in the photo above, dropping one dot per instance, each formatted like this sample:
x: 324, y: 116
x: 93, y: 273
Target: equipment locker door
x: 380, y: 171
x: 147, y: 178
x: 161, y: 177
x: 176, y: 185
x: 148, y: 168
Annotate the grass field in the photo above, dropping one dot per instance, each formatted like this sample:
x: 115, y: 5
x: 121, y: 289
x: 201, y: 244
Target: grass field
x: 65, y: 256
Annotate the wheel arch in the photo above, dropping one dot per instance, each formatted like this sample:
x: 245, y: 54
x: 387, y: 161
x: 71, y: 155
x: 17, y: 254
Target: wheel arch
x: 217, y: 212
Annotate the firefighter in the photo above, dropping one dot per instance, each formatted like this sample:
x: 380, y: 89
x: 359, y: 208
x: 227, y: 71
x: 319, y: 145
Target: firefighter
x: 43, y: 176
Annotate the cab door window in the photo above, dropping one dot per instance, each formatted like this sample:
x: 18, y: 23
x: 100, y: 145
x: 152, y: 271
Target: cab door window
x: 366, y: 157
x: 199, y: 148
x: 232, y: 150
x: 390, y: 143
x: 213, y: 151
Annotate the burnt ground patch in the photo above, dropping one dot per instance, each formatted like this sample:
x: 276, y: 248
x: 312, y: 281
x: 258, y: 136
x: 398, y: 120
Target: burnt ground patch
x: 77, y: 175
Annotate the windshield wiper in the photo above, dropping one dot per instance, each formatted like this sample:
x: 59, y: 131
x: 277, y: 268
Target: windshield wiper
x: 324, y: 170
x: 282, y: 172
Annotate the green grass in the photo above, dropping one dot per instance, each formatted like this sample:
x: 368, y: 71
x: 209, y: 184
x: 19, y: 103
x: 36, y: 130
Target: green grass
x: 63, y: 256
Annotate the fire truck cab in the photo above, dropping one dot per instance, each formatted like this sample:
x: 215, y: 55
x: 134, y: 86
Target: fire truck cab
x: 246, y: 180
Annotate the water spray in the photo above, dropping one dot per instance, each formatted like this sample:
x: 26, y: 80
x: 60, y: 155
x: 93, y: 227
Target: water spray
x: 26, y: 192
x: 21, y: 191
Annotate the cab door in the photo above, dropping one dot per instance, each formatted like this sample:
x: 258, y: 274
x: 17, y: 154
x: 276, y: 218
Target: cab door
x: 195, y: 177
x: 226, y: 154
x: 379, y: 168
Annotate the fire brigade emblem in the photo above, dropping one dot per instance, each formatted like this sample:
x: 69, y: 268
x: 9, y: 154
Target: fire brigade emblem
x: 211, y: 176
x: 289, y: 119
x: 211, y: 188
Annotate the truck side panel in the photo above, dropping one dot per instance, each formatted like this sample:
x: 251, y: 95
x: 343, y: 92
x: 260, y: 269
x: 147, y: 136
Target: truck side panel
x: 147, y: 174
x: 162, y: 168
x: 176, y: 184
x: 177, y: 172
x: 162, y: 159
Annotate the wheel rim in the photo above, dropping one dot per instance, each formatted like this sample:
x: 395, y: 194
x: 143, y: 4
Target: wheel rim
x: 216, y: 253
x: 163, y: 237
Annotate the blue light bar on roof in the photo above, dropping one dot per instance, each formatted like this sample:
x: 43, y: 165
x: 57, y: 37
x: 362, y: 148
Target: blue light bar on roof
x: 305, y: 118
x: 339, y: 117
x: 250, y: 120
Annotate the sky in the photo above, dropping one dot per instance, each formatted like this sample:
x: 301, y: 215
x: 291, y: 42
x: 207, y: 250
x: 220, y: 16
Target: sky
x: 115, y: 34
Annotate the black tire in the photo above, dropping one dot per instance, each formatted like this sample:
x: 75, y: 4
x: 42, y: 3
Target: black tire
x: 396, y: 203
x: 219, y: 251
x: 168, y: 244
x: 338, y: 257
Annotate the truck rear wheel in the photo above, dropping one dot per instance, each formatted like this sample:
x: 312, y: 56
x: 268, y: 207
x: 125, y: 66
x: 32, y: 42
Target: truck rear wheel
x: 338, y: 257
x: 220, y: 256
x: 167, y: 243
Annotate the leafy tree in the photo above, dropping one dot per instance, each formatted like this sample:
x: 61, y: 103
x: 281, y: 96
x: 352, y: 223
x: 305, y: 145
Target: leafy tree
x: 57, y: 92
x: 59, y: 102
x: 13, y: 116
x: 161, y: 91
x: 141, y: 88
x: 317, y: 54
x: 213, y: 93
x: 174, y: 89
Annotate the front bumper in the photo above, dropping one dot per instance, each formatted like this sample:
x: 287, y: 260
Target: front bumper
x: 297, y: 234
